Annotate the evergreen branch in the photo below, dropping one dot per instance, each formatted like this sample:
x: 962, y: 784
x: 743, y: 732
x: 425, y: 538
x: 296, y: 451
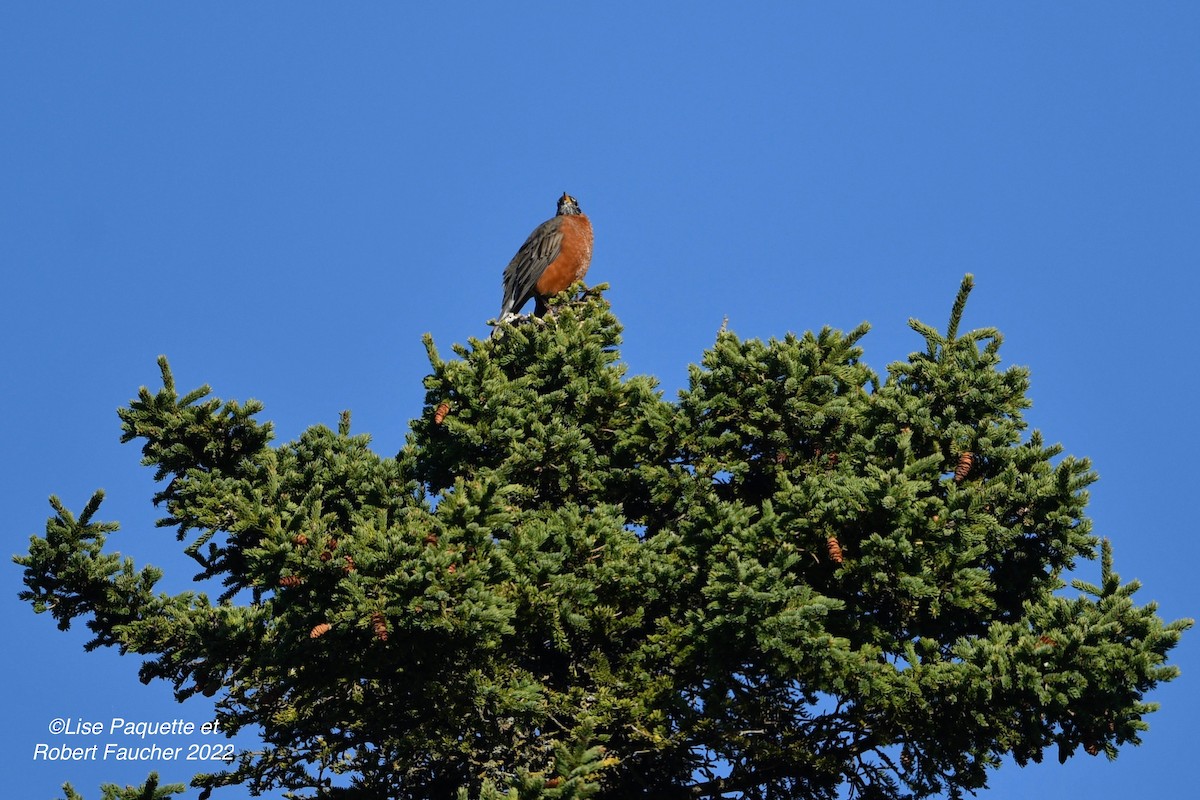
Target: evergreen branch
x: 960, y: 303
x: 860, y: 330
x: 933, y: 339
x: 431, y: 350
x: 168, y: 379
x: 149, y: 790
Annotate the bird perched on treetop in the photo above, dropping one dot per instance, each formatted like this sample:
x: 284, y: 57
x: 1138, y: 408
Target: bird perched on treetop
x: 556, y: 255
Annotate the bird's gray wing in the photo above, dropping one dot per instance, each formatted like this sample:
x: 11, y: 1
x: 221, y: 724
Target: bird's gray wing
x: 522, y: 273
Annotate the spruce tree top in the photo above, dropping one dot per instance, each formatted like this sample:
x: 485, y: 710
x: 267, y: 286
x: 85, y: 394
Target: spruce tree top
x: 792, y: 581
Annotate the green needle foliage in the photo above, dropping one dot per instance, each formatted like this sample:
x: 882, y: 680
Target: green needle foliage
x: 150, y: 790
x: 794, y: 581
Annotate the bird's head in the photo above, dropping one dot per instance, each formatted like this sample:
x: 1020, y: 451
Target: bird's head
x: 568, y: 205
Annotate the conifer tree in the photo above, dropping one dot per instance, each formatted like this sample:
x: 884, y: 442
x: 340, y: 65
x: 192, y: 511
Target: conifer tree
x: 567, y: 586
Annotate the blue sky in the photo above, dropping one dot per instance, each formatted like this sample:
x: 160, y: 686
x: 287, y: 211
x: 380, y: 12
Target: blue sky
x: 282, y: 197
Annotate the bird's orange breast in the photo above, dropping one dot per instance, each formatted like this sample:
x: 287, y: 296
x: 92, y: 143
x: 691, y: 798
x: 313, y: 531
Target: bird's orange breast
x: 573, y: 259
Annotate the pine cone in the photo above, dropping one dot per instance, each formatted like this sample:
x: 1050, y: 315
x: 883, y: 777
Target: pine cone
x: 291, y: 580
x: 835, y: 550
x: 349, y: 565
x: 379, y: 626
x: 300, y: 539
x: 965, y: 461
x: 1092, y: 748
x: 319, y: 630
x: 440, y: 414
x: 431, y: 538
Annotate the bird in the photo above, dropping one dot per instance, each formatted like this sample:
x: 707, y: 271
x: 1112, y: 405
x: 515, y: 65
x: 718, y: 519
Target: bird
x: 556, y: 255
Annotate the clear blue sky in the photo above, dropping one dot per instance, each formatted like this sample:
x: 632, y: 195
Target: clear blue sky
x: 282, y: 197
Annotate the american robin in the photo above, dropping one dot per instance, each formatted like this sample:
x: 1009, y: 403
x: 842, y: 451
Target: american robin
x: 556, y: 255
